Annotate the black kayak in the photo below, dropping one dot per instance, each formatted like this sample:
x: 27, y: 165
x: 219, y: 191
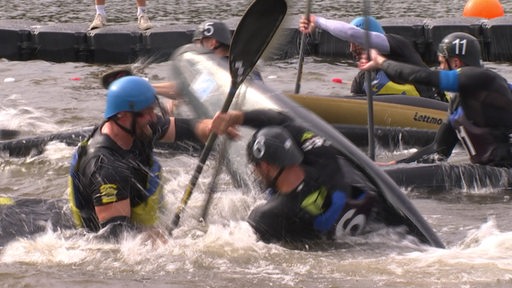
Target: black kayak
x: 30, y: 146
x: 443, y: 177
x: 28, y: 216
x: 202, y: 79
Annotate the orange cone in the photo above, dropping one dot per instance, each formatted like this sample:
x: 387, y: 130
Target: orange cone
x: 483, y: 8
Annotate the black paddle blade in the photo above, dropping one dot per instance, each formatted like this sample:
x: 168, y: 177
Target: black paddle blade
x: 253, y: 34
x: 109, y: 77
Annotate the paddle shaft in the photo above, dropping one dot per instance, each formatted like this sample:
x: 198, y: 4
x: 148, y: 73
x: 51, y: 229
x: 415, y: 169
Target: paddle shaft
x: 202, y: 158
x: 213, y: 183
x: 368, y: 79
x: 301, y: 51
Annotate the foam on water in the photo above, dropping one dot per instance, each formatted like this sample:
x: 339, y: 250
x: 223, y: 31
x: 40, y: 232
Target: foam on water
x: 230, y: 246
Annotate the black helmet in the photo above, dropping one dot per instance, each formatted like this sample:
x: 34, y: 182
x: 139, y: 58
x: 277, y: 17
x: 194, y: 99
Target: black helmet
x: 275, y: 145
x: 214, y: 29
x: 463, y: 46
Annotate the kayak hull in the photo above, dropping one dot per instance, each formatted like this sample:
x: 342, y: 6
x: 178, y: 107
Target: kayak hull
x: 202, y: 79
x: 389, y: 110
x: 442, y: 177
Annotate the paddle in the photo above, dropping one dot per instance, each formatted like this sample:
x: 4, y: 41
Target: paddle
x: 252, y: 35
x: 301, y: 52
x: 213, y: 183
x: 368, y: 79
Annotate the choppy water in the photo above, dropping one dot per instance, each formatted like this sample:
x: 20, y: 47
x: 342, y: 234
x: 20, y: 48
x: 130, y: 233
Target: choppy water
x: 195, y: 11
x: 47, y: 97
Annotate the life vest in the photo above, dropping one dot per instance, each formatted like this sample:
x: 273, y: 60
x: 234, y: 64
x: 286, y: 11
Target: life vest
x: 350, y: 216
x: 145, y: 206
x: 315, y: 203
x: 381, y: 85
x: 82, y: 217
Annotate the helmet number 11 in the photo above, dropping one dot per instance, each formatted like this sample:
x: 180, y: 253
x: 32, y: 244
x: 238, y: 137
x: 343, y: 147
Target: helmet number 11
x: 460, y: 46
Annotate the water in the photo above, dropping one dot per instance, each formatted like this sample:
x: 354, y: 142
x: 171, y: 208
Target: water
x: 195, y: 11
x: 47, y: 97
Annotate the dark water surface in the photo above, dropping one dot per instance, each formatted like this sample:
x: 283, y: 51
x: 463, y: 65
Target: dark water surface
x: 39, y: 97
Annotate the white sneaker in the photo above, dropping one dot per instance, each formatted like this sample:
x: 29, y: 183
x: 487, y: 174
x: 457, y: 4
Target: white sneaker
x: 144, y: 23
x: 99, y: 21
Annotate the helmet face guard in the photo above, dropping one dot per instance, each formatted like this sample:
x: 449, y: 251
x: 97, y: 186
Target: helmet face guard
x: 443, y: 52
x: 198, y: 34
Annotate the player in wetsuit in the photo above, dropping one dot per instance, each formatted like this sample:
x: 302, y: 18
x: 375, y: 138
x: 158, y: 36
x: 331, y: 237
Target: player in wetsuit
x: 393, y: 46
x: 114, y: 177
x: 307, y: 190
x: 480, y: 111
x: 212, y: 35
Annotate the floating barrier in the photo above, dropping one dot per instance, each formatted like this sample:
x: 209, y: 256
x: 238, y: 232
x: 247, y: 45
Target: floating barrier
x: 71, y: 42
x: 123, y: 44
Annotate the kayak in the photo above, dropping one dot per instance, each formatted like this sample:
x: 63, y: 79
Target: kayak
x: 28, y: 216
x: 203, y: 80
x: 398, y: 120
x: 389, y: 110
x: 442, y: 177
x: 391, y: 138
x: 27, y: 146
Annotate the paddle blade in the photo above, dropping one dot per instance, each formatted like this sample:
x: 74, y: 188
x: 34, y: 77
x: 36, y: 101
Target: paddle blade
x: 253, y: 34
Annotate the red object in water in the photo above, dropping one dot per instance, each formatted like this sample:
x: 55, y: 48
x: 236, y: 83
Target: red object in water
x: 337, y: 80
x: 75, y: 78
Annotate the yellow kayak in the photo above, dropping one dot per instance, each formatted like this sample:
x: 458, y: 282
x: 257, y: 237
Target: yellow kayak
x: 389, y: 111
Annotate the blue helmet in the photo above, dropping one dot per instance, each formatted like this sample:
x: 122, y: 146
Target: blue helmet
x: 373, y: 24
x: 130, y: 93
